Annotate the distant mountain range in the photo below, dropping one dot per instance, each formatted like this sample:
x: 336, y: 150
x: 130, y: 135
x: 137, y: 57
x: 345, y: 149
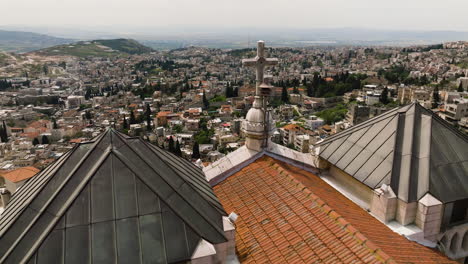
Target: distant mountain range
x: 171, y: 38
x: 19, y: 41
x: 98, y: 48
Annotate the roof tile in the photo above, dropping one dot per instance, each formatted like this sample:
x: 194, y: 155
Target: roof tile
x: 280, y: 218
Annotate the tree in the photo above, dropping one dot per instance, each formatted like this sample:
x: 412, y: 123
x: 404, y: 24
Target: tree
x: 229, y: 90
x: 45, y: 139
x: 35, y: 141
x: 3, y: 133
x: 88, y: 115
x: 206, y: 103
x: 132, y: 118
x: 148, y: 117
x: 196, y: 151
x: 55, y: 126
x: 384, y: 96
x: 125, y: 124
x: 88, y: 94
x: 460, y: 87
x: 284, y: 95
x: 177, y: 149
x: 171, y: 145
x: 435, y: 97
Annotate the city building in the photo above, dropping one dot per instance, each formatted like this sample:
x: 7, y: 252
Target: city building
x: 357, y: 114
x: 456, y: 111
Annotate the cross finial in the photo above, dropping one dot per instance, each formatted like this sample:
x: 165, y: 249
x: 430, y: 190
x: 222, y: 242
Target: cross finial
x: 259, y: 62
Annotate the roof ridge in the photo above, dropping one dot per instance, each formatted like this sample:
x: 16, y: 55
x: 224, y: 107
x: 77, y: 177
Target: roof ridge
x: 9, y: 216
x: 46, y: 206
x: 443, y: 122
x: 201, y: 212
x: 339, y: 219
x: 367, y: 123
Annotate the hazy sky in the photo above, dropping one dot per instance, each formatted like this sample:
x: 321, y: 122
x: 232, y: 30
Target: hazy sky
x: 379, y: 14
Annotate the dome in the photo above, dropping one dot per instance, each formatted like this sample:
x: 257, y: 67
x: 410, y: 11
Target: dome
x: 255, y: 115
x: 254, y: 123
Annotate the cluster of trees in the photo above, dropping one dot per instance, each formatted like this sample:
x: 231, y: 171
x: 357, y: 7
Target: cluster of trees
x: 396, y: 74
x: 134, y: 120
x: 204, y: 134
x: 165, y: 65
x: 333, y: 115
x: 174, y: 147
x: 231, y: 91
x: 45, y: 140
x: 400, y: 74
x: 4, y: 84
x: 148, y: 90
x: 338, y: 85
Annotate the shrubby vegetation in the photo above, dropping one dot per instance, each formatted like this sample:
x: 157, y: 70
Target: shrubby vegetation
x: 334, y: 114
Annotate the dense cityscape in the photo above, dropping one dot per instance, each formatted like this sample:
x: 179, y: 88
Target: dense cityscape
x: 194, y: 102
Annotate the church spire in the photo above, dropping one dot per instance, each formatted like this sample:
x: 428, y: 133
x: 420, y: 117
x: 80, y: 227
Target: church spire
x: 258, y: 124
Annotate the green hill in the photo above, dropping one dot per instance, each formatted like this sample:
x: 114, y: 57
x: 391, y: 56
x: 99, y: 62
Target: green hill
x: 97, y: 48
x: 18, y: 41
x: 129, y: 46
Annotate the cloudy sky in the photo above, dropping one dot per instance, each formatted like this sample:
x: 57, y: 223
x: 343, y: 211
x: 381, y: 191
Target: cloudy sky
x: 376, y: 14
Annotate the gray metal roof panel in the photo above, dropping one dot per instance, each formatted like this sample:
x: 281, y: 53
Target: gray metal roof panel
x: 425, y: 154
x: 83, y: 203
x: 191, y: 173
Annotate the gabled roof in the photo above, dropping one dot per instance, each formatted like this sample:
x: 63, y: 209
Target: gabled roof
x: 289, y: 215
x: 117, y: 199
x: 410, y: 148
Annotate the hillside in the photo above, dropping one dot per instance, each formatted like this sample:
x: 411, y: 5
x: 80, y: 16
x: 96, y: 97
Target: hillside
x: 129, y: 46
x: 97, y: 48
x: 18, y: 41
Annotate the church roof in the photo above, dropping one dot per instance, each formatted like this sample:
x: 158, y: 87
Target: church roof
x: 115, y: 199
x: 409, y: 148
x: 289, y: 215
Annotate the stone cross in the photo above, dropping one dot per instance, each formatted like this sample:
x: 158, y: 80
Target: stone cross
x: 259, y: 62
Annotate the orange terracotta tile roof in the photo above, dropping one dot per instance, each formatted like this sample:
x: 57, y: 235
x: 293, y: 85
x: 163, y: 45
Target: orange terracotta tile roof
x: 395, y: 245
x: 281, y: 221
x: 76, y: 140
x: 20, y: 174
x: 39, y: 123
x: 164, y: 113
x: 288, y: 215
x: 292, y: 127
x: 30, y: 135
